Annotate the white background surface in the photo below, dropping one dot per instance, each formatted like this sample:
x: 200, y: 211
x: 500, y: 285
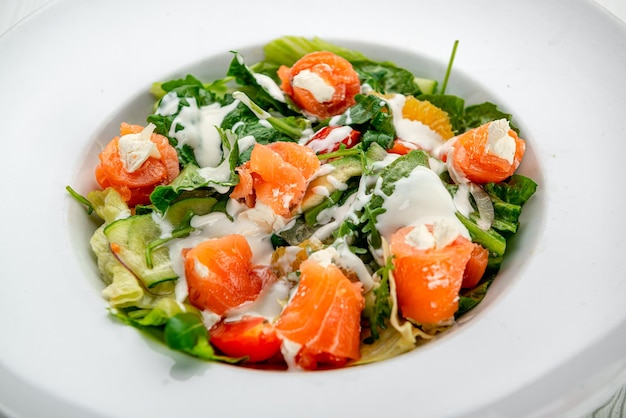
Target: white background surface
x: 12, y: 12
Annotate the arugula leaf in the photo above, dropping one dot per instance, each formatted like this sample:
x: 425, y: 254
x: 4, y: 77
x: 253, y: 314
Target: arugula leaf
x: 188, y: 89
x: 381, y: 311
x: 243, y: 122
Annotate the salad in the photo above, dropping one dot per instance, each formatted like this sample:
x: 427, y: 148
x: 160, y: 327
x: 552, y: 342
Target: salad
x: 314, y: 210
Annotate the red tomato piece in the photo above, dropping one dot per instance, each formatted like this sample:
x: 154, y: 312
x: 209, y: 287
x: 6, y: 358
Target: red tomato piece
x: 329, y: 139
x: 252, y: 337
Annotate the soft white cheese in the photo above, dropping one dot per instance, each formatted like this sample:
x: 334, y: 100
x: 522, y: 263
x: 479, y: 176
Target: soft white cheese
x: 445, y: 232
x: 420, y: 237
x: 315, y: 84
x: 499, y: 142
x: 135, y: 149
x: 324, y: 257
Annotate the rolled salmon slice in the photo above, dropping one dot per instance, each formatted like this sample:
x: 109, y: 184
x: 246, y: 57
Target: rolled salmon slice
x: 323, y: 317
x: 489, y: 153
x: 220, y: 274
x: 428, y: 280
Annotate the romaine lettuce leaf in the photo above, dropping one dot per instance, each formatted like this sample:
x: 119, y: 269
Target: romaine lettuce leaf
x: 108, y: 204
x: 122, y: 289
x: 289, y: 49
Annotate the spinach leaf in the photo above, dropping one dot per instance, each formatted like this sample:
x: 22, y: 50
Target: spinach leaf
x: 369, y: 113
x: 247, y: 79
x: 482, y: 113
x: 380, y: 138
x: 386, y: 77
x: 516, y: 190
x: 454, y: 106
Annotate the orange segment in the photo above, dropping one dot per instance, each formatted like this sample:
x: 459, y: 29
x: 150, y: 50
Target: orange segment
x: 428, y: 114
x: 428, y: 281
x: 219, y: 275
x: 323, y: 316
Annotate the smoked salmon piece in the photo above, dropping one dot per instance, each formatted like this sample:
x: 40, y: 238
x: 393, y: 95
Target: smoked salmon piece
x: 220, y: 274
x: 245, y: 188
x: 301, y: 157
x: 323, y: 316
x: 428, y: 280
x: 135, y: 187
x: 473, y: 158
x: 321, y: 83
x: 276, y: 176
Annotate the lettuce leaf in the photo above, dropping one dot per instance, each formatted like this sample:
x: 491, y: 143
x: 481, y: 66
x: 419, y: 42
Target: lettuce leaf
x: 289, y: 49
x: 122, y: 289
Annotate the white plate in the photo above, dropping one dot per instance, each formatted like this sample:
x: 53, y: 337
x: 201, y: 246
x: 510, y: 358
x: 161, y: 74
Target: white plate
x: 549, y: 340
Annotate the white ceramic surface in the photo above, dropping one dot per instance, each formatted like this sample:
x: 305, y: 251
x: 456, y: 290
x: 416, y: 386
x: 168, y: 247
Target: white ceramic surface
x: 550, y: 339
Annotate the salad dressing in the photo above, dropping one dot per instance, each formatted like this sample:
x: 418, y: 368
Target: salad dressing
x: 199, y: 130
x: 412, y: 131
x: 420, y: 198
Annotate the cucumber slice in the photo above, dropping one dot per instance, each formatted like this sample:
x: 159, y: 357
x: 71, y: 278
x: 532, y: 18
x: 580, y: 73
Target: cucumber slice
x: 198, y: 205
x: 426, y: 85
x: 129, y: 239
